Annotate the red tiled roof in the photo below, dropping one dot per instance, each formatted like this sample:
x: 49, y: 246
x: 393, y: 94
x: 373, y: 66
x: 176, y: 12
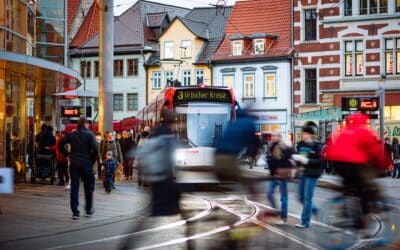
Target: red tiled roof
x: 259, y: 16
x: 73, y: 6
x: 89, y: 27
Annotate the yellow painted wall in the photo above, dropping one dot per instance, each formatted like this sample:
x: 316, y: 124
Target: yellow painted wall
x: 177, y: 33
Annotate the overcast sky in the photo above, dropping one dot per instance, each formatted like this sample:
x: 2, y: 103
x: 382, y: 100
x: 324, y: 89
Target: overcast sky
x: 122, y: 5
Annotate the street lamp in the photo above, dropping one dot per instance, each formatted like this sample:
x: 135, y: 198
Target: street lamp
x: 381, y: 90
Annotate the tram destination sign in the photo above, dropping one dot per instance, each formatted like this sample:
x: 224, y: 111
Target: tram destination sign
x: 202, y: 95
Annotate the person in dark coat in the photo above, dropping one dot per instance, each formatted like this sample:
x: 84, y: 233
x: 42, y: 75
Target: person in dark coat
x: 309, y: 158
x: 84, y: 151
x: 128, y: 145
x: 396, y: 157
x: 280, y: 158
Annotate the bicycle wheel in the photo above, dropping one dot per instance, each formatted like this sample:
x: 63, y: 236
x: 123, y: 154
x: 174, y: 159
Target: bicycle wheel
x: 337, y: 222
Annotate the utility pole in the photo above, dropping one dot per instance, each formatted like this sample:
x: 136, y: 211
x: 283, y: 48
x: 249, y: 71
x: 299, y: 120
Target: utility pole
x: 106, y: 61
x: 382, y: 108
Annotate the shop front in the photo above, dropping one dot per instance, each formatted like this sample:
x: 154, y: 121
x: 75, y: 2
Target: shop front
x: 27, y: 85
x: 271, y: 121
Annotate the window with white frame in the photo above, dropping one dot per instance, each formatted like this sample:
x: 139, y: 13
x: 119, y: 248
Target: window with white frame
x: 228, y: 80
x: 118, y: 102
x: 96, y: 68
x: 354, y: 58
x: 199, y: 76
x: 85, y: 69
x: 132, y: 101
x: 237, y: 47
x: 132, y: 67
x: 373, y: 7
x: 348, y: 7
x: 187, y: 77
x: 186, y: 49
x: 156, y: 80
x: 169, y: 76
x: 169, y: 50
x: 248, y: 85
x: 310, y: 86
x: 118, y: 67
x: 310, y: 21
x: 392, y: 56
x: 270, y: 84
x: 259, y: 46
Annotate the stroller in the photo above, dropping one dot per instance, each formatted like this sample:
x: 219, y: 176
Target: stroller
x: 44, y: 166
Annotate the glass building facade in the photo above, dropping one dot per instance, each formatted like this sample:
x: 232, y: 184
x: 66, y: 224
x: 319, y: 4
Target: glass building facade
x: 32, y: 59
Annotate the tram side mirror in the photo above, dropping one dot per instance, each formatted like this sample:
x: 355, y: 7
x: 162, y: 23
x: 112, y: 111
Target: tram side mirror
x: 6, y: 180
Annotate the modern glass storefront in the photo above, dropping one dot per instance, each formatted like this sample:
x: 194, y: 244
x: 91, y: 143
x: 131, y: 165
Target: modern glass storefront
x: 31, y: 72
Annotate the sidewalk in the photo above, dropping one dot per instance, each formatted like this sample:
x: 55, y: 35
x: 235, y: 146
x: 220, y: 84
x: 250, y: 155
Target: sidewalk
x: 36, y: 210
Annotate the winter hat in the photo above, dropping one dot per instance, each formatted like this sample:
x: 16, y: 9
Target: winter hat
x: 309, y: 127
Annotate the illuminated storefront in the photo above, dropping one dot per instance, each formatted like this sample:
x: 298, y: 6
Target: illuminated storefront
x: 27, y: 82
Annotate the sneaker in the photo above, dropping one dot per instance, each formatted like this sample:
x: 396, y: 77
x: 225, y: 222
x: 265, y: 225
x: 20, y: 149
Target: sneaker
x: 75, y: 217
x: 281, y: 222
x: 299, y: 225
x: 90, y: 213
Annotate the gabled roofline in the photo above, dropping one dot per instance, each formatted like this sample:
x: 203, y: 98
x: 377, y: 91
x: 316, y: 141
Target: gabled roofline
x: 184, y: 24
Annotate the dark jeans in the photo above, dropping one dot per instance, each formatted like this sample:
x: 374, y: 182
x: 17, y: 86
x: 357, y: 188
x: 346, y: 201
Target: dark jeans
x: 62, y: 167
x: 108, y: 182
x: 86, y: 174
x: 128, y: 166
x: 396, y: 170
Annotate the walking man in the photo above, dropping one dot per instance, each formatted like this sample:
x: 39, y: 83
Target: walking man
x: 309, y: 158
x: 83, y: 154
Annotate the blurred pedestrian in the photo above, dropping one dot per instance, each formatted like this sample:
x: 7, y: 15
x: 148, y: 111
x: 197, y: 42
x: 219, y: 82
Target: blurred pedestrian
x: 128, y: 145
x: 109, y: 144
x: 309, y: 158
x: 396, y: 157
x: 388, y: 155
x: 156, y: 158
x: 280, y: 165
x: 98, y: 160
x: 61, y: 162
x: 83, y: 154
x: 144, y: 136
x: 240, y: 136
x: 110, y: 168
x: 357, y: 156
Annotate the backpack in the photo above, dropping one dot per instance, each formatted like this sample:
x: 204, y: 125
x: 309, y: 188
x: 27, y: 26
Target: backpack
x: 155, y: 158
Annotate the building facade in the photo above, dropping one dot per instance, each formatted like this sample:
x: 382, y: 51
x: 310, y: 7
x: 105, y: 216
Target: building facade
x: 346, y: 48
x: 186, y: 48
x: 32, y: 47
x: 255, y: 60
x: 136, y: 38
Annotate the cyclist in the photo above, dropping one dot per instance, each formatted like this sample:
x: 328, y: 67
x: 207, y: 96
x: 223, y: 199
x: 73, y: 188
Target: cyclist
x: 357, y: 154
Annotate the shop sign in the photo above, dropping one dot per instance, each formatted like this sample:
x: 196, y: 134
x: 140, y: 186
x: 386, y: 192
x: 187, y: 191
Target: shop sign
x: 360, y: 103
x: 392, y: 130
x: 270, y: 117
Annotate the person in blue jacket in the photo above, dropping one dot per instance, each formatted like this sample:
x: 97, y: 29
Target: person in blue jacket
x: 110, y: 167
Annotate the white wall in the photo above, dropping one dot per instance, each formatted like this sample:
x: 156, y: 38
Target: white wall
x: 279, y: 107
x: 122, y: 85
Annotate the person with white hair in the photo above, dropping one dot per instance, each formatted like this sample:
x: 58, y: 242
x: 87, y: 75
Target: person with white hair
x: 280, y: 165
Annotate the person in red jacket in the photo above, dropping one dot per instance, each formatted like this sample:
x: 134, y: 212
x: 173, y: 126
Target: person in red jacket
x: 357, y: 156
x: 62, y: 162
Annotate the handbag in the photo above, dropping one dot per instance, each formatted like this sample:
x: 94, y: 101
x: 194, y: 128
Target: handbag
x: 286, y: 173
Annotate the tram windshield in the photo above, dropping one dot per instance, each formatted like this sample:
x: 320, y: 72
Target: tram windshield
x: 202, y: 124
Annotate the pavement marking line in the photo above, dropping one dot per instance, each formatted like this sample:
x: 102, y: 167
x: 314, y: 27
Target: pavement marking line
x: 156, y: 229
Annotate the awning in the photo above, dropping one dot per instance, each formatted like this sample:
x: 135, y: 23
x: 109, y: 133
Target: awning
x: 78, y: 93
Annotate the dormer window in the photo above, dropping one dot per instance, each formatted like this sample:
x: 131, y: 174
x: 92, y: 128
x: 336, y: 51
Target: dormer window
x: 237, y: 47
x: 259, y: 46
